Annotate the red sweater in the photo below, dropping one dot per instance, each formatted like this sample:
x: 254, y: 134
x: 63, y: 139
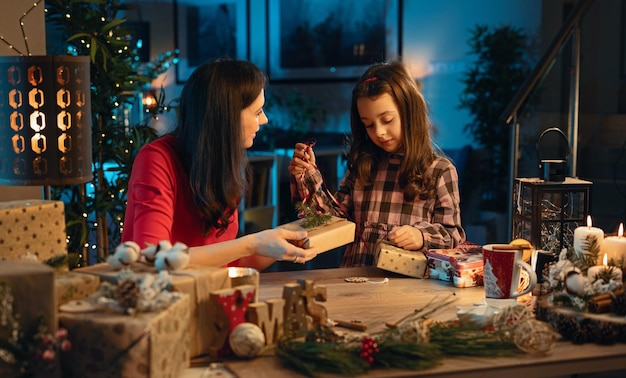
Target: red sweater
x: 160, y: 204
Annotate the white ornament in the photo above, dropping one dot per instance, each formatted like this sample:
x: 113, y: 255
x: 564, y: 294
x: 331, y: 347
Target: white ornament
x: 247, y: 340
x: 575, y: 283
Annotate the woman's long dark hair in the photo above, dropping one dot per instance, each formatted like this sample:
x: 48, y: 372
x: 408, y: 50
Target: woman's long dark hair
x: 210, y: 135
x: 393, y: 78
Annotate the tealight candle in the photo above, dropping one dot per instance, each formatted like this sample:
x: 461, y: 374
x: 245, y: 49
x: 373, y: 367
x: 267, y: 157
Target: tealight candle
x: 595, y: 270
x: 615, y: 246
x: 585, y: 236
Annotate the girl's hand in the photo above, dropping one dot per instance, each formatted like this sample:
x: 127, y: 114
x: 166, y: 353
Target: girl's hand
x: 303, y: 159
x: 407, y: 237
x: 275, y: 243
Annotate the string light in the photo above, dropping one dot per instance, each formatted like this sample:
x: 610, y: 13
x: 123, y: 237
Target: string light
x: 21, y: 21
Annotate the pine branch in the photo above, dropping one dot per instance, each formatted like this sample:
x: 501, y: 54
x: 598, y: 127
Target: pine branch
x: 312, y: 217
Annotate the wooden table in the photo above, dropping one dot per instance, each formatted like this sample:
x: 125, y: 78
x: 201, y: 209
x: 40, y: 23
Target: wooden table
x: 375, y: 303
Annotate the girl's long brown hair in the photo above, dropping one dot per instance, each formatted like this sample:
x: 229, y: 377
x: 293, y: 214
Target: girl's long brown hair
x: 393, y: 78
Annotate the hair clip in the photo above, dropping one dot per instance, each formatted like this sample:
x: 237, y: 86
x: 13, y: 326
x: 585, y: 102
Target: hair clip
x: 369, y: 80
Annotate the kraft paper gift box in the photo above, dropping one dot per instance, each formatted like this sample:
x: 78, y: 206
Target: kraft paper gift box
x: 196, y: 281
x: 335, y: 233
x: 31, y: 284
x: 147, y: 344
x: 463, y: 265
x: 32, y: 228
x: 395, y: 259
x: 70, y: 286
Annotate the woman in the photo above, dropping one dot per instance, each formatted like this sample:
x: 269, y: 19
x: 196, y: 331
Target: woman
x: 187, y: 185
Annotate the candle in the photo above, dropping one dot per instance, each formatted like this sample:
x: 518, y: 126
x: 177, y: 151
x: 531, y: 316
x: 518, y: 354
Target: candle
x: 586, y: 237
x: 596, y: 270
x: 615, y: 247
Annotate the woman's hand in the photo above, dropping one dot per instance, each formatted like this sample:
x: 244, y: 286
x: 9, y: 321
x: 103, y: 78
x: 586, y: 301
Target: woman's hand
x: 303, y: 159
x: 275, y: 243
x: 407, y: 237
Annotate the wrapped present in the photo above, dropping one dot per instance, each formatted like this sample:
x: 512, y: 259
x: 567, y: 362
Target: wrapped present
x: 462, y: 265
x: 147, y: 344
x: 333, y: 234
x: 30, y: 280
x: 71, y: 286
x: 197, y: 281
x: 32, y: 227
x: 395, y: 259
x: 27, y: 302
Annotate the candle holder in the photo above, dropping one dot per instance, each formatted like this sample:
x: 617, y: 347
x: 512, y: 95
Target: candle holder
x: 547, y: 212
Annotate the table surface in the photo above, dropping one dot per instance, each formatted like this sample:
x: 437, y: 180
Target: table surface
x: 374, y: 303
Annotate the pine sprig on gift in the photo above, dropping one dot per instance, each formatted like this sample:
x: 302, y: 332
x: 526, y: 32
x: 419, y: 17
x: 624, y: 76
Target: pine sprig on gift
x: 311, y: 216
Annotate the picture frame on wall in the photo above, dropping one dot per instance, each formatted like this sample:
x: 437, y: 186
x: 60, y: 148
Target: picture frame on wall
x: 209, y: 29
x: 329, y: 39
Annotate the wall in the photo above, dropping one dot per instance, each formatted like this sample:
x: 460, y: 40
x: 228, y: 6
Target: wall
x: 34, y: 29
x: 433, y: 37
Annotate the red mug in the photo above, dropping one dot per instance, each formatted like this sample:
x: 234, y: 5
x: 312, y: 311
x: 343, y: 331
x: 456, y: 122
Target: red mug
x: 503, y: 266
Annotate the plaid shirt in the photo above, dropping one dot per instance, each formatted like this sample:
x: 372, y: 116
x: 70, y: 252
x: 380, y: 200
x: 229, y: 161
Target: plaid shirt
x: 377, y: 208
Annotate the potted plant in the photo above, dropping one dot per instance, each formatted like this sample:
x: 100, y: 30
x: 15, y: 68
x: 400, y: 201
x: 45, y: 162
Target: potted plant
x: 94, y: 29
x: 503, y: 61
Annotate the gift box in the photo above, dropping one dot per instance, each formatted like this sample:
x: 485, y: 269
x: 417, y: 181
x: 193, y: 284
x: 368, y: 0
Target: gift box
x: 32, y: 227
x: 333, y: 234
x: 71, y: 286
x: 147, y: 344
x: 30, y: 286
x: 395, y: 259
x: 462, y: 265
x: 196, y: 281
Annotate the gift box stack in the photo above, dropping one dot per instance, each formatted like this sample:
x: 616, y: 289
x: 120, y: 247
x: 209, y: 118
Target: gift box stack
x: 97, y: 343
x: 35, y: 230
x: 197, y: 282
x: 463, y: 265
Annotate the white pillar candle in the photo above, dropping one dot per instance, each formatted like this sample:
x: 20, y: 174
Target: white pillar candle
x: 595, y: 270
x: 583, y: 237
x: 615, y: 246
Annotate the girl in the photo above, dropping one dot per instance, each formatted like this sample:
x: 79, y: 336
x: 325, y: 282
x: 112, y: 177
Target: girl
x: 396, y: 187
x: 186, y: 186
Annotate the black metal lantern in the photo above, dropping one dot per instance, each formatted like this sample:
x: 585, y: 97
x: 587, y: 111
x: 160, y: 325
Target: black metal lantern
x: 547, y: 212
x: 45, y: 120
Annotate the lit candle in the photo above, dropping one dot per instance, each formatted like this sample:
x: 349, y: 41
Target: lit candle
x: 586, y: 237
x: 615, y: 247
x: 595, y: 270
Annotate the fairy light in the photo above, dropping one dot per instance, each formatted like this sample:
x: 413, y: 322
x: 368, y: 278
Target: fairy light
x: 21, y: 22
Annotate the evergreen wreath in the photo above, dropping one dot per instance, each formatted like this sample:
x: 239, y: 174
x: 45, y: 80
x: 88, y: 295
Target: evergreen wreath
x: 415, y: 343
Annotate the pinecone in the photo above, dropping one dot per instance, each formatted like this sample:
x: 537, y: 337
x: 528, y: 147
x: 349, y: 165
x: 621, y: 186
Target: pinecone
x: 127, y: 293
x: 571, y: 329
x: 618, y: 305
x: 604, y: 332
